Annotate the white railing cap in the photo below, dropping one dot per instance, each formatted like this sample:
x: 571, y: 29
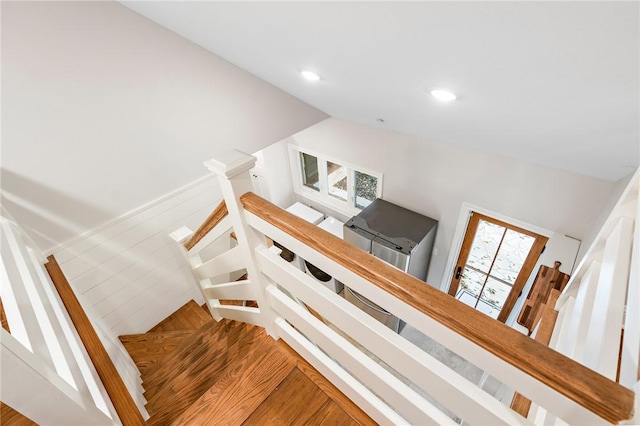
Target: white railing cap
x: 230, y: 163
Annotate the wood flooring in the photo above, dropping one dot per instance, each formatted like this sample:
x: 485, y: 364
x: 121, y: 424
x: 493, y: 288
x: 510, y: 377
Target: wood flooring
x: 3, y: 318
x: 9, y: 416
x: 197, y: 371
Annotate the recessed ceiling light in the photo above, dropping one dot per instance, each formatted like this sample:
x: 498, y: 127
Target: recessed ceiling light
x: 310, y: 75
x: 443, y: 95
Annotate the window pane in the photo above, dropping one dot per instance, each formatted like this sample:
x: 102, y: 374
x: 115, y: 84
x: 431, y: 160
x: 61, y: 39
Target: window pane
x: 494, y: 295
x: 310, y: 176
x: 337, y: 177
x: 366, y: 189
x: 513, y: 252
x: 485, y: 245
x: 487, y: 308
x: 470, y: 287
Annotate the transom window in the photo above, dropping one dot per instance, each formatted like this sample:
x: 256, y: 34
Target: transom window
x: 332, y: 182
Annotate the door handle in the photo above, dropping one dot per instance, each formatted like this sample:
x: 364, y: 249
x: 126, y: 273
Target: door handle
x: 458, y: 272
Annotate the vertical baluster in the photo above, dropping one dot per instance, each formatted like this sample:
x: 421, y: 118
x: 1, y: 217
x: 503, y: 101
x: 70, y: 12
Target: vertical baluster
x: 606, y: 320
x: 20, y: 289
x: 585, y: 301
x: 630, y: 363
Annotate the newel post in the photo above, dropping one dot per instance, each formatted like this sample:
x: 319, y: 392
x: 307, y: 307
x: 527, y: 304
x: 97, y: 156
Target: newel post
x: 232, y: 169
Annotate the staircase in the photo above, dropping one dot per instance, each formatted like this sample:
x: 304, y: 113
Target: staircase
x: 198, y: 371
x: 278, y: 348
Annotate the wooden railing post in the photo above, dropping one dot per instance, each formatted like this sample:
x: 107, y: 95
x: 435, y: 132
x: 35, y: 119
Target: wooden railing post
x: 232, y: 169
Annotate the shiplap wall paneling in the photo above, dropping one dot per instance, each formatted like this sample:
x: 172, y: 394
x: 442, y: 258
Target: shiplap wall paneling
x: 129, y: 271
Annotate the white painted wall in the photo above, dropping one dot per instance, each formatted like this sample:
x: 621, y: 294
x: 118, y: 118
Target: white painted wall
x: 104, y: 110
x: 435, y: 179
x: 274, y: 173
x: 130, y: 272
x: 604, y: 212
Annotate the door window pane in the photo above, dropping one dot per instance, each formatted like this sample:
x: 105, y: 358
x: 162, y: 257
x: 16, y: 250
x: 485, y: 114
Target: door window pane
x: 485, y: 245
x: 495, y: 294
x: 512, y: 254
x: 337, y: 180
x: 366, y: 189
x: 487, y: 308
x: 470, y: 286
x: 310, y: 176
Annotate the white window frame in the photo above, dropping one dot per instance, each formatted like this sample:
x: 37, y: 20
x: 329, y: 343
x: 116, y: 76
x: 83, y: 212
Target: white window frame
x: 322, y: 196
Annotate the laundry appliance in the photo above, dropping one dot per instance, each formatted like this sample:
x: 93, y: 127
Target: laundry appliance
x: 310, y: 215
x: 334, y: 226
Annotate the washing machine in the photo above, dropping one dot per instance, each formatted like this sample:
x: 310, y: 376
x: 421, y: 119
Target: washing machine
x: 311, y: 216
x: 334, y: 226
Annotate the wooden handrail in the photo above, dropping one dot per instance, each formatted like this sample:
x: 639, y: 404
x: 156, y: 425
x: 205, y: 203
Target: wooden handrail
x: 120, y: 397
x: 210, y: 222
x: 520, y: 403
x: 586, y: 387
x: 3, y: 318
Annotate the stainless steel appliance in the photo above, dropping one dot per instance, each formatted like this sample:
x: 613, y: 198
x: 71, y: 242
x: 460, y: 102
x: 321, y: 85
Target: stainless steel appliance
x: 396, y: 235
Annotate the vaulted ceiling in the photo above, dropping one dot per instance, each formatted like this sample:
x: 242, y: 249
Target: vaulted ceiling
x: 553, y: 83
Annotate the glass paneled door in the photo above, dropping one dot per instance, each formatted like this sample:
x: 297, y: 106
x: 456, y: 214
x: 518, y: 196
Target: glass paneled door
x: 495, y: 261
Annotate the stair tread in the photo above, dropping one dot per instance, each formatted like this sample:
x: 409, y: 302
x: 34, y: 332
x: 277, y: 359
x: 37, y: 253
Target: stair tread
x: 181, y: 356
x: 199, y: 371
x: 248, y: 382
x: 222, y: 349
x: 189, y: 316
x: 148, y: 349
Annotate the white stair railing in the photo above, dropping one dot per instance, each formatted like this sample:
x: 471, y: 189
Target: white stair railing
x: 47, y: 374
x: 341, y: 344
x: 599, y: 311
x: 604, y: 287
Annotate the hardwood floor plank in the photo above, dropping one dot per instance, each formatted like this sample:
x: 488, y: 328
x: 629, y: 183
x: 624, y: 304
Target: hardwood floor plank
x: 148, y: 349
x: 10, y: 417
x: 341, y: 400
x: 242, y: 388
x: 189, y: 317
x: 331, y: 414
x: 204, y: 372
x: 139, y: 345
x: 191, y: 350
x: 232, y: 373
x: 294, y: 402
